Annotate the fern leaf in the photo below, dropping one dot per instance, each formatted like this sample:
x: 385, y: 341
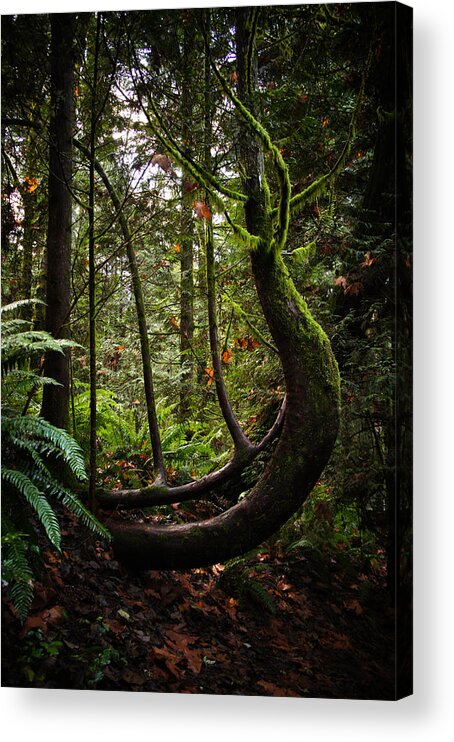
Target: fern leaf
x: 72, y: 502
x: 18, y: 304
x: 17, y: 572
x: 38, y: 502
x: 69, y: 449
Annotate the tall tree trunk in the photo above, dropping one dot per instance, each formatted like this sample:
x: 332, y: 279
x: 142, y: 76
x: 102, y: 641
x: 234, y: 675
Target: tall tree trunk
x: 92, y: 268
x: 56, y: 398
x: 187, y: 229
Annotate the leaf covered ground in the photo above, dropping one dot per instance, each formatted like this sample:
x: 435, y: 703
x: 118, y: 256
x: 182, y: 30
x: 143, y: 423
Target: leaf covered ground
x: 299, y: 626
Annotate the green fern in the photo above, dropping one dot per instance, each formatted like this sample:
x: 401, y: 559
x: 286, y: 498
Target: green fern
x: 38, y: 502
x: 17, y: 571
x: 32, y: 448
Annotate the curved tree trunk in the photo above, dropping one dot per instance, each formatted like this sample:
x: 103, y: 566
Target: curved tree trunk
x: 308, y: 435
x: 312, y: 384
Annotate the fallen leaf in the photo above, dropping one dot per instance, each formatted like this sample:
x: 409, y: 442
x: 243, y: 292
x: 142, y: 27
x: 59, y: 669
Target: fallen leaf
x: 115, y: 626
x: 274, y: 690
x: 354, y: 605
x: 169, y: 658
x: 133, y: 678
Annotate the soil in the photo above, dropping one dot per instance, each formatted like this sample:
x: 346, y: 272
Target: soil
x: 303, y: 625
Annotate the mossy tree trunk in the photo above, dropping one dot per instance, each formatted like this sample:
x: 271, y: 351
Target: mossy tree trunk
x: 312, y: 413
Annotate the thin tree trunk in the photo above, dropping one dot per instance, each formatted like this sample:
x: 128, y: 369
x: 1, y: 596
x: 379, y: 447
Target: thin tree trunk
x: 92, y: 270
x: 30, y: 217
x: 239, y: 438
x: 187, y: 229
x: 56, y: 398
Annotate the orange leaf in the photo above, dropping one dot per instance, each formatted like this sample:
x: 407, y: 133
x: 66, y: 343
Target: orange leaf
x: 252, y: 343
x: 234, y: 76
x: 368, y: 260
x: 30, y: 184
x: 210, y: 373
x: 202, y: 210
x: 226, y: 355
x: 353, y: 605
x: 341, y: 281
x: 190, y: 185
x: 177, y: 247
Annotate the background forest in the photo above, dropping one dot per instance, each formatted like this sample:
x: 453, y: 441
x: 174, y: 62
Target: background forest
x: 137, y: 350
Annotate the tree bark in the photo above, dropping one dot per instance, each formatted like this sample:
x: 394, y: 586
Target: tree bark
x: 56, y: 398
x: 186, y: 222
x: 92, y: 270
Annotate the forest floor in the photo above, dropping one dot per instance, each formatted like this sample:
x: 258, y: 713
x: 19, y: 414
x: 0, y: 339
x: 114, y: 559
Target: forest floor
x: 297, y: 626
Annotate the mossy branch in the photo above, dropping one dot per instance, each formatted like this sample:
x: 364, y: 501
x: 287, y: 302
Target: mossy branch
x: 282, y: 212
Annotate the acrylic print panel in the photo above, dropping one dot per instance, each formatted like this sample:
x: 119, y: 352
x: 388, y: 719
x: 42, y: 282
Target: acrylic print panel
x: 207, y: 332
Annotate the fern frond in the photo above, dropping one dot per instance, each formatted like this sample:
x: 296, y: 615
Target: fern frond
x: 14, y: 325
x: 17, y: 572
x: 63, y: 442
x: 72, y: 502
x: 37, y: 501
x: 19, y: 304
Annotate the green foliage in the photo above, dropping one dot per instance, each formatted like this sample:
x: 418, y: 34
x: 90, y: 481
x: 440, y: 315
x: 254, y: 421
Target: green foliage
x: 32, y: 479
x: 35, y: 653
